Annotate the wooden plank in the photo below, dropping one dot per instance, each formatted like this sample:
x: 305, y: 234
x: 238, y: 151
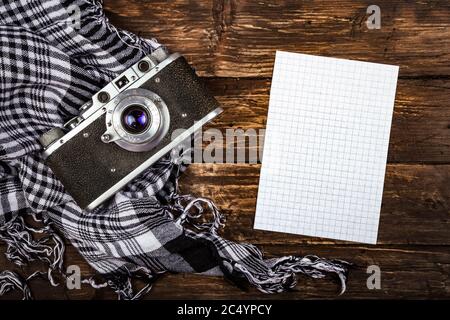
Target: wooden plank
x: 415, y: 209
x: 399, y: 266
x: 230, y: 38
x: 412, y: 249
x: 406, y: 272
x: 420, y: 127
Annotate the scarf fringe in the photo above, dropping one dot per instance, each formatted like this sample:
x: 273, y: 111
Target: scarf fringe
x: 121, y: 283
x: 22, y: 248
x: 12, y: 281
x: 270, y: 276
x: 282, y: 276
x: 274, y: 276
x: 279, y: 274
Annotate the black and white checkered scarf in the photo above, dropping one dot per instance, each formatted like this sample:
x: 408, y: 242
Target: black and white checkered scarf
x: 49, y: 66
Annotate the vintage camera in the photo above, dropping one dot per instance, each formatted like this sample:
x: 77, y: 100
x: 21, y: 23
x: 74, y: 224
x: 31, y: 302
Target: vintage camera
x: 127, y: 126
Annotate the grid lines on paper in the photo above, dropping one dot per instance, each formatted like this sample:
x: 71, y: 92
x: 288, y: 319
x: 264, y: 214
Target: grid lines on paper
x: 325, y: 147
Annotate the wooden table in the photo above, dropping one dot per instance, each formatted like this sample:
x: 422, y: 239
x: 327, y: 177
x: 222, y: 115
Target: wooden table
x: 232, y: 45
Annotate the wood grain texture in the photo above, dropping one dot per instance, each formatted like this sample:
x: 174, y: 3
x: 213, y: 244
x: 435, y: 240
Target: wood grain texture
x: 238, y: 38
x: 415, y: 208
x: 412, y: 251
x: 407, y: 272
x: 232, y: 44
x: 420, y: 126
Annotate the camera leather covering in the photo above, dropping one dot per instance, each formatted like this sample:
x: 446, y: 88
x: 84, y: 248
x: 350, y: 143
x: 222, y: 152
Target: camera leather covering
x: 87, y: 167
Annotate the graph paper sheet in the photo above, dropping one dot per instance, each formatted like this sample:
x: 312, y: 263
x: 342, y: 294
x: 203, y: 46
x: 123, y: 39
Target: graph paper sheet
x: 325, y: 147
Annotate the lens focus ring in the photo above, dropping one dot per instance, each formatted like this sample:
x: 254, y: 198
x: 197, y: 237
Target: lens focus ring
x: 137, y: 120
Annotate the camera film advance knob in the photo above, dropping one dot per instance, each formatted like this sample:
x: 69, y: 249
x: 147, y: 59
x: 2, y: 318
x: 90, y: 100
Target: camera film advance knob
x: 86, y: 106
x: 51, y: 136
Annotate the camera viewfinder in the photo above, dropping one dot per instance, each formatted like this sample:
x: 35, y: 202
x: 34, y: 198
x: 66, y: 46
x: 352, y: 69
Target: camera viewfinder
x: 122, y: 82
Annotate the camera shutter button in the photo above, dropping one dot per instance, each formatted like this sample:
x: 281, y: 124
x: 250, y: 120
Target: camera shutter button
x: 103, y: 97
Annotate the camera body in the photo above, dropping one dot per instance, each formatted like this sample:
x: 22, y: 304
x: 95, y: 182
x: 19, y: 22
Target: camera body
x: 127, y: 126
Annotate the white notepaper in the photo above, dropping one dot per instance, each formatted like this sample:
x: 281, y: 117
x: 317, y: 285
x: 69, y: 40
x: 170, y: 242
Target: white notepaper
x: 325, y: 147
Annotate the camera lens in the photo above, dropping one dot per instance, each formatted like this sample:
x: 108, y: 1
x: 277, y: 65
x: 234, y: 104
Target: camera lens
x: 135, y: 119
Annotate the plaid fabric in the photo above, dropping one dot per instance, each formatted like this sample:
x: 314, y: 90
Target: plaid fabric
x: 49, y: 66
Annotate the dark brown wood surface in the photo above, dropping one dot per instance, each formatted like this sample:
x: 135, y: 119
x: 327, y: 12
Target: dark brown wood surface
x: 232, y: 44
